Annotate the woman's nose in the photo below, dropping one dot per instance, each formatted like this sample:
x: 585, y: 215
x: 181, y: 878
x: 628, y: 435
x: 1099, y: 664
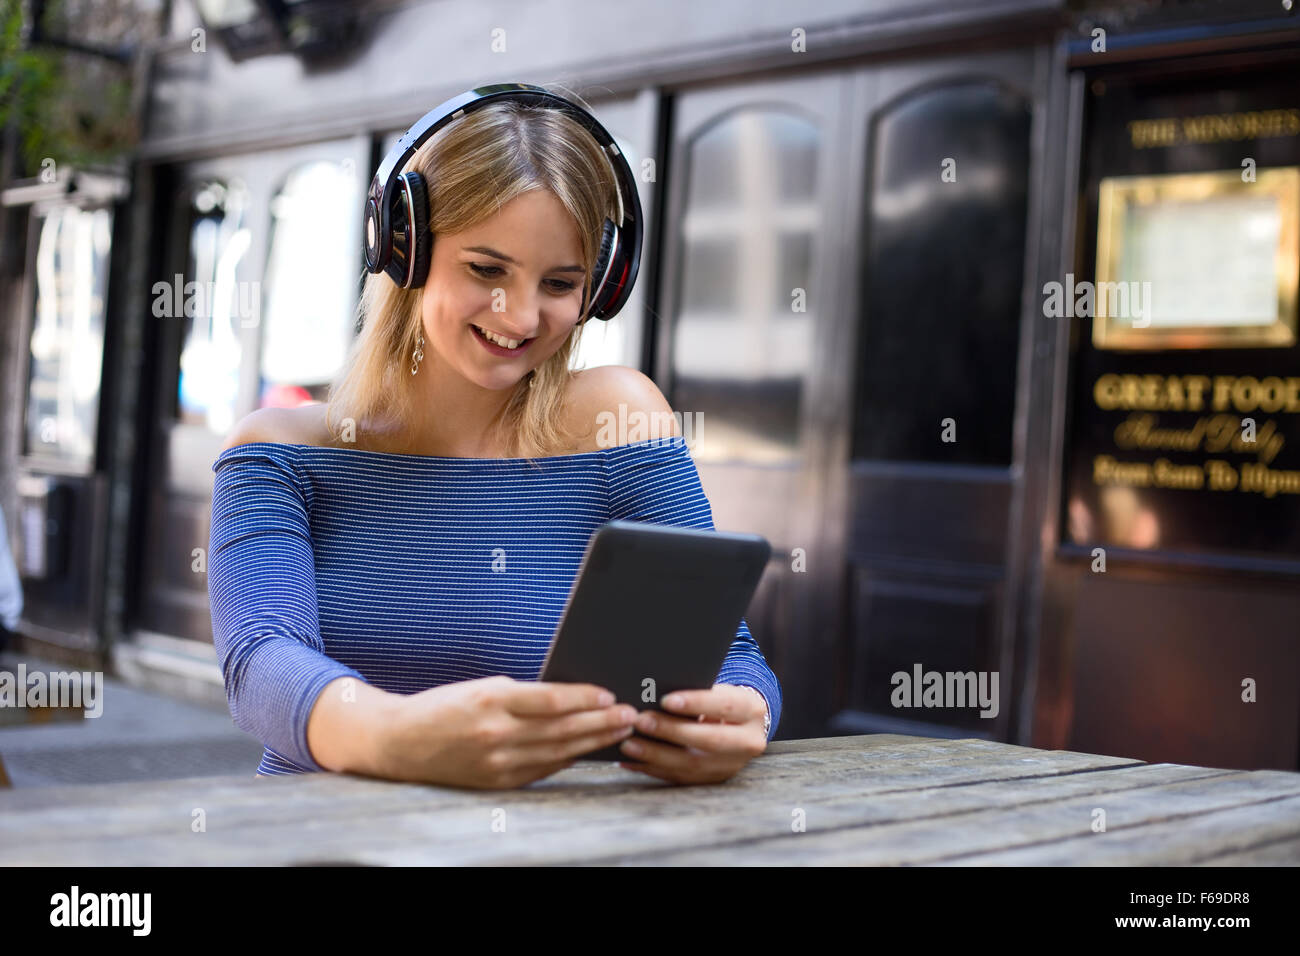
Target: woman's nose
x: 523, y: 315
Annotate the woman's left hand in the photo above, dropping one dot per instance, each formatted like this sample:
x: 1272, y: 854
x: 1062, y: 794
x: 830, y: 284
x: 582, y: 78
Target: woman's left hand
x: 721, y: 729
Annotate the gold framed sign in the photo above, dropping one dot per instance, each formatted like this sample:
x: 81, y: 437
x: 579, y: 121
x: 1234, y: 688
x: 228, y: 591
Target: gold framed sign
x: 1198, y: 260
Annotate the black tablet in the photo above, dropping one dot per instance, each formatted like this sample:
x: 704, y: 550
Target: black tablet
x: 654, y: 609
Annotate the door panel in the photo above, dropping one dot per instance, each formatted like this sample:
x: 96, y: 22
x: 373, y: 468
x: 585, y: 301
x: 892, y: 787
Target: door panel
x: 964, y: 513
x: 749, y: 289
x: 927, y: 485
x: 899, y: 620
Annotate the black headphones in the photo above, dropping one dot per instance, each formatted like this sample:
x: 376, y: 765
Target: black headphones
x: 397, y: 236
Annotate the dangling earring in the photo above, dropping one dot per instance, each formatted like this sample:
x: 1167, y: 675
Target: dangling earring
x: 418, y: 355
x: 532, y: 378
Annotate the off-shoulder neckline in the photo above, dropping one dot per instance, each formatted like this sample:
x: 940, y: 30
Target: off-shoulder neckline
x: 670, y: 440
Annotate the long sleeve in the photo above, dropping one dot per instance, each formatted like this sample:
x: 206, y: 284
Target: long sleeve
x: 262, y: 590
x: 657, y: 482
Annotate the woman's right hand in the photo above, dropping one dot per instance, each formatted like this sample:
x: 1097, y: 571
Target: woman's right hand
x: 496, y: 732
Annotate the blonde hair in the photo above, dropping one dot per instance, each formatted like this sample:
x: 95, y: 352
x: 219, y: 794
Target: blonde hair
x: 473, y: 167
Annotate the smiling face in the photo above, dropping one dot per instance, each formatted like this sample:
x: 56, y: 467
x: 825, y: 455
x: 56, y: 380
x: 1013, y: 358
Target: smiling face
x: 518, y: 276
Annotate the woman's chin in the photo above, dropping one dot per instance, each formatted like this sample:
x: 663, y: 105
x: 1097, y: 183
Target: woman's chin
x: 497, y: 380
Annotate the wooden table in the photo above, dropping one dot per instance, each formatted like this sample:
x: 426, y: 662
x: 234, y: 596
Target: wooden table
x: 875, y: 799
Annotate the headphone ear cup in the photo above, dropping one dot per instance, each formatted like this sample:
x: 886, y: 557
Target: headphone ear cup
x: 421, y: 238
x: 599, y: 283
x: 412, y: 247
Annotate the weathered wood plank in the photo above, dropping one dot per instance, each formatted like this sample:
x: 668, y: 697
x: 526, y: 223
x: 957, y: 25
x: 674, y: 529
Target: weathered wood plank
x: 1183, y: 842
x: 848, y: 742
x: 1048, y: 832
x: 727, y: 833
x: 89, y: 814
x: 871, y: 748
x: 74, y: 795
x: 345, y: 787
x: 879, y: 798
x: 593, y: 828
x: 1284, y: 852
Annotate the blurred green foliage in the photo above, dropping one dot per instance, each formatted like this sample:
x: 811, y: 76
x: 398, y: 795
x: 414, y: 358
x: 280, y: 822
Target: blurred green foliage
x: 67, y: 106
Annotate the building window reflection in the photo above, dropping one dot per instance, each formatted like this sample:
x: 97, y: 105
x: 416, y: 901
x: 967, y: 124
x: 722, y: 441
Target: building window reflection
x: 607, y: 343
x: 216, y: 305
x: 67, y: 341
x: 312, y: 273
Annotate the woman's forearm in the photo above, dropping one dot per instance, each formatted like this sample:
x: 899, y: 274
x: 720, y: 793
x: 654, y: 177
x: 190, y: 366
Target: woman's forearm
x: 347, y: 727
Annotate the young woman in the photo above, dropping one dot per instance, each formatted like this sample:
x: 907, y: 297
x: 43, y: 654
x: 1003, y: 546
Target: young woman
x: 386, y: 570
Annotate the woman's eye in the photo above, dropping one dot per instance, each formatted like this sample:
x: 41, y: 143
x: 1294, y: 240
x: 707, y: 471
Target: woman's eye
x: 558, y: 286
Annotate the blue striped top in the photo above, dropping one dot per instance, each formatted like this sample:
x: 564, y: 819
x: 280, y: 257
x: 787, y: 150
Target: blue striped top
x: 388, y: 567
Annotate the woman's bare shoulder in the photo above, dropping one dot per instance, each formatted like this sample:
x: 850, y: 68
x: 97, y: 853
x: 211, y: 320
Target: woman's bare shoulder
x: 615, y: 396
x: 304, y: 425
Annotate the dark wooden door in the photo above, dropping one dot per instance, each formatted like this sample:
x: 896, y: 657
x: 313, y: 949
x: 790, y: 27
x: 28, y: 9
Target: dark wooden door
x: 923, y: 465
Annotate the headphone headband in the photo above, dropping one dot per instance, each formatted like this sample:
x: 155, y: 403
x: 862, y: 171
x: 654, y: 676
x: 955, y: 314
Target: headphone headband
x: 385, y: 186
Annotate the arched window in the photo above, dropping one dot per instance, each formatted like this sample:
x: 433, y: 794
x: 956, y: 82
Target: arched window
x: 741, y: 341
x: 941, y: 271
